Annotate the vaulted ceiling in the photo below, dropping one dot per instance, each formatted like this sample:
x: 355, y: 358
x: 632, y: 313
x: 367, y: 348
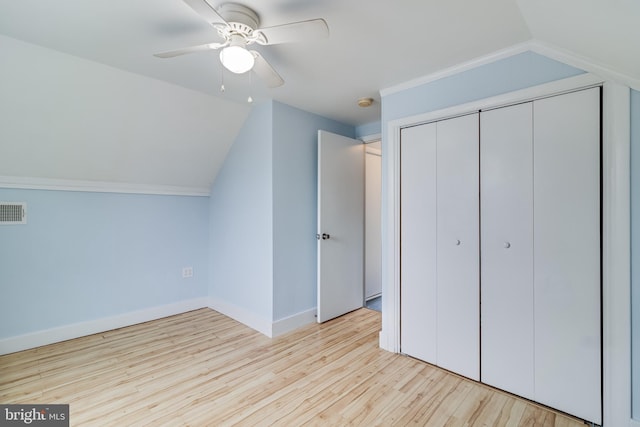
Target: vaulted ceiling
x: 372, y: 45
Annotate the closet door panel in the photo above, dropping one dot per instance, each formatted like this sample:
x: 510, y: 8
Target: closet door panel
x: 418, y: 242
x: 506, y: 157
x: 458, y: 245
x: 567, y: 253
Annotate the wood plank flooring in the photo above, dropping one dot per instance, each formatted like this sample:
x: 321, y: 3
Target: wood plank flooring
x: 204, y: 369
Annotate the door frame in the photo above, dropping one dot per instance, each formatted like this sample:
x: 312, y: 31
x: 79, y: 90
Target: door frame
x: 374, y: 151
x: 616, y: 280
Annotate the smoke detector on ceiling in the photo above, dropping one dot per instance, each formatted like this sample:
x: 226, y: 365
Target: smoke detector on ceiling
x: 365, y: 102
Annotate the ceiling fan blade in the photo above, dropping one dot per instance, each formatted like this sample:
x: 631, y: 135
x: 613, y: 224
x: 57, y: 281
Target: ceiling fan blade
x: 295, y: 32
x: 208, y: 12
x: 265, y: 71
x: 192, y: 49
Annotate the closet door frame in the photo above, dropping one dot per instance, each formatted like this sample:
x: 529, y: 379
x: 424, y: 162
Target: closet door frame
x: 616, y: 352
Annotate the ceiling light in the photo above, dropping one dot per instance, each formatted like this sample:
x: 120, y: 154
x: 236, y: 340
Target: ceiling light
x: 235, y: 57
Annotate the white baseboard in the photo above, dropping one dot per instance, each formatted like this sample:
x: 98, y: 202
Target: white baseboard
x: 260, y: 324
x: 295, y: 321
x: 242, y: 315
x: 382, y: 341
x: 76, y: 330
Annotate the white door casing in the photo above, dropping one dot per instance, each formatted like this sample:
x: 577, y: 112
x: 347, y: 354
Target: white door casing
x: 373, y: 238
x: 340, y: 225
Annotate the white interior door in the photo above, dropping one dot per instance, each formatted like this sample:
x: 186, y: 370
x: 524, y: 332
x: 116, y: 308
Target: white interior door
x: 340, y: 225
x: 506, y: 191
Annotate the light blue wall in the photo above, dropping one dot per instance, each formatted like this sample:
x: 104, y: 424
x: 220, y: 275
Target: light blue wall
x: 295, y: 159
x: 84, y: 256
x: 516, y: 72
x: 263, y: 213
x: 635, y: 250
x: 368, y: 129
x: 241, y: 218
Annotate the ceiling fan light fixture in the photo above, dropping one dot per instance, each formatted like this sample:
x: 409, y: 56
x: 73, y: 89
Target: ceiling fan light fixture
x: 237, y: 59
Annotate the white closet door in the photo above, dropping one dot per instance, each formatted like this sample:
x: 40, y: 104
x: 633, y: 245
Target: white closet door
x: 418, y: 242
x: 506, y: 189
x: 567, y: 253
x: 457, y: 246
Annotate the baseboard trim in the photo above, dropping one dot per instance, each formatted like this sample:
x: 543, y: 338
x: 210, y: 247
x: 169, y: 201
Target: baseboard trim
x: 242, y: 315
x: 81, y: 329
x: 290, y: 323
x: 260, y: 324
x: 634, y: 423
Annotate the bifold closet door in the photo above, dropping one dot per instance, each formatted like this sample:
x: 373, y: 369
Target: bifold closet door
x: 567, y: 253
x: 506, y: 191
x: 457, y: 202
x: 418, y: 242
x: 439, y: 244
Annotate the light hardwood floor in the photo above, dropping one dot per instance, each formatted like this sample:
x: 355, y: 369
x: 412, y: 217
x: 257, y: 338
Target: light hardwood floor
x: 204, y: 369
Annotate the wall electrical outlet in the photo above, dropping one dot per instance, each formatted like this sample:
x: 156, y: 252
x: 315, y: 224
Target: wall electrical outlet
x: 187, y: 272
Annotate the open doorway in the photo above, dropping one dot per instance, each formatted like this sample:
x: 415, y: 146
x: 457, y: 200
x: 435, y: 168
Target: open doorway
x: 373, y: 234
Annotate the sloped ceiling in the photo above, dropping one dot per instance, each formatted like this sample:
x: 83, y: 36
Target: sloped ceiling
x: 373, y: 45
x: 603, y: 32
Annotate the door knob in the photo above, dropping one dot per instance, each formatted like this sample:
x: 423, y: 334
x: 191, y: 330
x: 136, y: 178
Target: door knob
x: 458, y: 242
x: 507, y: 245
x: 325, y: 236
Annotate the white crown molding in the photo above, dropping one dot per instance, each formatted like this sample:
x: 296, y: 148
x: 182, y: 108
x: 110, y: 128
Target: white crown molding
x: 536, y: 46
x: 587, y: 64
x: 33, y: 183
x: 371, y: 138
x: 456, y: 69
x: 90, y: 327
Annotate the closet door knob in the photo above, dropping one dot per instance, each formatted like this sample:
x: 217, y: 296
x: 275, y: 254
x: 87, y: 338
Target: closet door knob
x: 507, y: 245
x: 458, y: 242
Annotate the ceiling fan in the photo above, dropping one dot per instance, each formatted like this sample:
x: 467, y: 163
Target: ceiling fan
x: 239, y: 26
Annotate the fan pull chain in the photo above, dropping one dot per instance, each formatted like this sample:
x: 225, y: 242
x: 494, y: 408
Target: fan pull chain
x: 222, y: 79
x: 250, y: 99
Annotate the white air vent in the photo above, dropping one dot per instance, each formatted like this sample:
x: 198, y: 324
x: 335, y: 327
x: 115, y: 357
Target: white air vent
x: 13, y: 213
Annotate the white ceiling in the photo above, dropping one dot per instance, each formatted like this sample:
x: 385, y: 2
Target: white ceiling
x: 373, y: 44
